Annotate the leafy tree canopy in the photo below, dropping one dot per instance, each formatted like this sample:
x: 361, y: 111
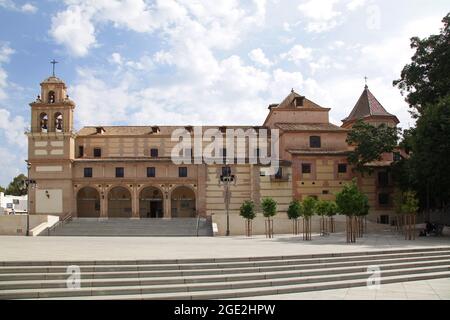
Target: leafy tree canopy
x: 326, y: 208
x: 2, y: 189
x: 269, y: 207
x: 427, y: 77
x: 295, y: 209
x: 370, y: 143
x: 309, y: 207
x: 352, y: 202
x: 17, y: 186
x: 247, y: 210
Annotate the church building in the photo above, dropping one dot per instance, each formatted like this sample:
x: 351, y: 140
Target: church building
x: 107, y: 172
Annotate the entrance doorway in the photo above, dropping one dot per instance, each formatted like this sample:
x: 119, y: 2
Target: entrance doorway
x: 151, y: 204
x: 88, y: 203
x: 119, y: 203
x: 183, y: 203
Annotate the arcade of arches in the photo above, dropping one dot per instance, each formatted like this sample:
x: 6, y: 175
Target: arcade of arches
x: 150, y: 202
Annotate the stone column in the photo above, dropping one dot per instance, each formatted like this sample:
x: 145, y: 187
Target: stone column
x: 135, y: 203
x: 103, y: 203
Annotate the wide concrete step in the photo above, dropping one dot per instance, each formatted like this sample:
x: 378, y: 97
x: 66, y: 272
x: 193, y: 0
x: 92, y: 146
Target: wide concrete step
x: 419, y: 252
x: 134, y: 227
x: 256, y: 275
x: 228, y: 285
x: 199, y: 265
x: 33, y: 276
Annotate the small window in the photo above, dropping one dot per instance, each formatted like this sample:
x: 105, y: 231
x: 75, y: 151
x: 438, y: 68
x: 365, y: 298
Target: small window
x: 151, y: 172
x: 182, y: 172
x: 120, y: 172
x: 314, y: 142
x: 397, y: 156
x: 226, y: 171
x: 224, y: 152
x: 51, y: 97
x: 306, y: 168
x: 342, y: 168
x: 80, y: 151
x: 383, y: 199
x: 383, y: 179
x: 97, y: 152
x: 88, y: 172
x: 154, y: 153
x: 279, y: 173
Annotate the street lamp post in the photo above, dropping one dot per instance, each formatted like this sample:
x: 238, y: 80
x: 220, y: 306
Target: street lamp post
x: 28, y: 184
x: 226, y: 178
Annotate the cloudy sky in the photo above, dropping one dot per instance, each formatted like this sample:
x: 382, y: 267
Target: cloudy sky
x: 149, y: 62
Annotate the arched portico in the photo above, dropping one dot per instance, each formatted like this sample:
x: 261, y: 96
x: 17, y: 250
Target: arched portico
x: 183, y: 204
x: 151, y: 203
x: 119, y: 203
x: 88, y: 203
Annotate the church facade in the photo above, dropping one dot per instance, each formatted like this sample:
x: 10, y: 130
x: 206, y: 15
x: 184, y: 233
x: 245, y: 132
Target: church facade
x: 128, y: 172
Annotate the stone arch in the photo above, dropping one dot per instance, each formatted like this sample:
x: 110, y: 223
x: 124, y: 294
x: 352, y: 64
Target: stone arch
x: 183, y: 202
x: 51, y: 97
x: 43, y: 122
x: 88, y: 203
x: 151, y: 202
x: 120, y: 202
x: 58, y: 122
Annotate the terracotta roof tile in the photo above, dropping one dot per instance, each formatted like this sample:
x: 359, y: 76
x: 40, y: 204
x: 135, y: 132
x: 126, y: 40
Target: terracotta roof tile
x: 309, y: 127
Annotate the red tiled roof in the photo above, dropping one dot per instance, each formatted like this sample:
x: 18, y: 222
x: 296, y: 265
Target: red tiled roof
x: 367, y: 106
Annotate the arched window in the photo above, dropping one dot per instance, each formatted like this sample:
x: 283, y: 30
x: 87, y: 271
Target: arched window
x: 51, y: 97
x: 58, y: 122
x: 43, y: 122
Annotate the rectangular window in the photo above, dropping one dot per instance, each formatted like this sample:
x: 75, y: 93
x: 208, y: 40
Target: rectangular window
x: 306, y: 168
x: 154, y: 153
x: 383, y: 179
x: 397, y: 156
x: 120, y: 172
x: 88, y: 172
x: 188, y: 153
x: 314, y: 142
x: 151, y: 172
x: 383, y: 199
x: 97, y: 152
x: 226, y: 171
x: 182, y: 172
x: 342, y: 168
x: 80, y: 151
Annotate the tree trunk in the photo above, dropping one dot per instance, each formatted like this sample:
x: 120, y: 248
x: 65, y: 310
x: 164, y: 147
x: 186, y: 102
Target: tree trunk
x: 269, y: 228
x: 248, y: 228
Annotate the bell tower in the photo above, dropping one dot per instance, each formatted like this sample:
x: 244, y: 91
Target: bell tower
x: 51, y: 147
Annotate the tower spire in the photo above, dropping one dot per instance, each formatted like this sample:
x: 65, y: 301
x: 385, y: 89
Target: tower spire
x: 54, y: 62
x: 365, y: 80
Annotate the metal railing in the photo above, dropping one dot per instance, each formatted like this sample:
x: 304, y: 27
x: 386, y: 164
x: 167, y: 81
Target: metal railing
x: 60, y: 223
x: 198, y: 222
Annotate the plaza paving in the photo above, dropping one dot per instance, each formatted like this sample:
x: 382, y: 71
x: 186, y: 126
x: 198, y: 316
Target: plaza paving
x: 436, y: 289
x: 121, y: 248
x: 151, y: 248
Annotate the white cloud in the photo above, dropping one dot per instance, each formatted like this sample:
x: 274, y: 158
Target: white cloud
x: 321, y: 14
x: 297, y: 54
x: 258, y: 56
x: 73, y: 28
x: 26, y: 8
x: 355, y: 4
x: 5, y: 53
x: 29, y: 8
x: 13, y: 129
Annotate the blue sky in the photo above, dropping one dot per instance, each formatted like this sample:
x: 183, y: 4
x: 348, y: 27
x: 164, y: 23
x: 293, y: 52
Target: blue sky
x: 201, y: 62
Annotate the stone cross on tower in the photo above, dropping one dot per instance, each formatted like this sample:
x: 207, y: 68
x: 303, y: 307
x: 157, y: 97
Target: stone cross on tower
x: 54, y: 62
x: 365, y: 79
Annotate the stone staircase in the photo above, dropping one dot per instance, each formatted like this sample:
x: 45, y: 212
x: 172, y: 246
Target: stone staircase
x: 115, y: 227
x: 218, y: 278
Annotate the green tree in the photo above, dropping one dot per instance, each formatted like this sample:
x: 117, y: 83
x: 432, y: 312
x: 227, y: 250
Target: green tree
x: 17, y: 186
x: 427, y: 78
x: 308, y: 210
x: 352, y: 203
x: 269, y: 208
x: 370, y: 143
x: 294, y: 212
x: 2, y: 189
x: 409, y: 208
x: 247, y: 211
x: 322, y: 208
